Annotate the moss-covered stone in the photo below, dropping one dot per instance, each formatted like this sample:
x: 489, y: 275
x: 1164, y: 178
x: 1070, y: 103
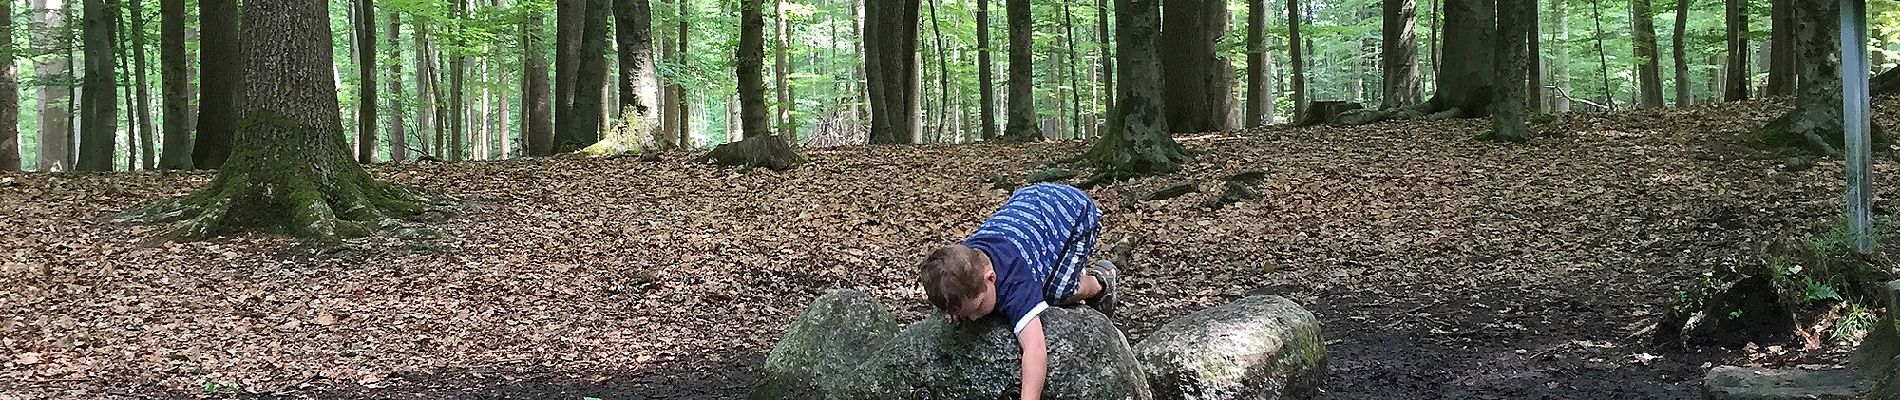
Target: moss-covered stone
x: 1741, y: 383
x: 933, y: 359
x: 1259, y: 347
x: 822, y: 347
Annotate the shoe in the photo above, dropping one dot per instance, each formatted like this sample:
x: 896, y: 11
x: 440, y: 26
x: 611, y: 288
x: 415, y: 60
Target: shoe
x: 1105, y: 302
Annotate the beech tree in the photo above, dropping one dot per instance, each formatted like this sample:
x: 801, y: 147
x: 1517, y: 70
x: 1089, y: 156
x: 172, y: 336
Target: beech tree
x: 9, y: 97
x: 1469, y: 69
x: 1648, y: 68
x: 1735, y: 88
x: 1196, y: 76
x: 366, y: 74
x: 890, y: 45
x: 986, y: 72
x: 1022, y: 92
x: 638, y: 114
x: 1815, y: 123
x: 538, y: 123
x: 98, y: 116
x: 1513, y: 26
x: 1400, y: 55
x: 1139, y: 141
x: 219, y: 76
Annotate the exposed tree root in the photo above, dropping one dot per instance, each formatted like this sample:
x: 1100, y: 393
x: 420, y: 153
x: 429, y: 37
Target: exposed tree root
x: 628, y: 137
x: 348, y: 207
x: 769, y: 151
x: 1117, y: 159
x: 1788, y: 132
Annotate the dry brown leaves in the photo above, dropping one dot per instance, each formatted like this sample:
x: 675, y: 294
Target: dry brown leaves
x: 654, y: 274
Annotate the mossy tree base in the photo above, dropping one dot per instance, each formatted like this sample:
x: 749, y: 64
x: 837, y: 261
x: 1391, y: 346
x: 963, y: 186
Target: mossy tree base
x: 628, y: 137
x: 1810, y: 134
x: 769, y: 151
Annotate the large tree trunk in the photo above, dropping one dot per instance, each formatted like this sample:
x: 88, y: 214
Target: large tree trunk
x: 1296, y: 56
x: 1560, y: 56
x: 366, y: 75
x: 9, y: 97
x: 98, y: 117
x: 173, y: 85
x: 638, y: 81
x: 1784, y: 72
x: 1508, y: 110
x: 1685, y: 91
x: 1257, y: 99
x: 1139, y: 141
x: 1022, y: 74
x: 398, y: 141
x: 220, y: 77
x: 291, y: 170
x: 986, y: 71
x: 538, y: 125
x: 570, y: 17
x: 1736, y: 87
x: 1648, y: 59
x: 1400, y: 55
x: 589, y: 76
x: 1815, y: 123
x: 55, y: 123
x: 1195, y: 75
x: 1465, y: 80
x: 754, y: 118
x: 890, y: 41
x: 147, y: 159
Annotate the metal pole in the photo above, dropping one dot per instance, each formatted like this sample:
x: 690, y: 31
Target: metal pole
x: 1856, y: 125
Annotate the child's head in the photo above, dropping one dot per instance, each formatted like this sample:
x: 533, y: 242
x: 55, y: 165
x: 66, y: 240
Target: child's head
x: 959, y: 281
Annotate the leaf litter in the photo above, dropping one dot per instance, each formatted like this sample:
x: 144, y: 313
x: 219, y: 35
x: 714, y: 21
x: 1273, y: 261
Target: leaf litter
x: 1439, y: 265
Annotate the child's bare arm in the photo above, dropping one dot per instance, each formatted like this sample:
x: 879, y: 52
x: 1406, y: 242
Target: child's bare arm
x: 1035, y: 359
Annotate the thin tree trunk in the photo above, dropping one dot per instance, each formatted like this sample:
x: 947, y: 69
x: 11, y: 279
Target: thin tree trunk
x: 685, y: 98
x: 427, y: 129
x: 1075, y: 82
x: 1648, y: 59
x: 9, y: 96
x: 754, y: 118
x: 1437, y: 15
x: 783, y: 68
x: 986, y: 72
x: 458, y: 129
x: 366, y: 82
x: 1609, y: 96
x: 1535, y: 92
x: 1560, y: 55
x: 398, y: 141
x: 1022, y: 75
x: 1685, y: 91
x: 943, y: 66
x: 55, y: 122
x: 132, y: 146
x: 1508, y: 110
x: 174, y: 85
x: 1784, y: 75
x: 218, y: 82
x: 147, y: 155
x: 1257, y: 101
x: 1298, y: 58
x: 1108, y: 59
x: 99, y: 115
x: 1400, y: 55
x: 537, y: 122
x: 1736, y: 86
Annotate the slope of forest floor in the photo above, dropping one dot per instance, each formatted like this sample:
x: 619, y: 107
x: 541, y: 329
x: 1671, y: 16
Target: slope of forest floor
x: 1441, y: 267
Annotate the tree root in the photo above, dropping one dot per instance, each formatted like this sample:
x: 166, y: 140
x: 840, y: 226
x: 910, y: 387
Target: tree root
x: 350, y: 208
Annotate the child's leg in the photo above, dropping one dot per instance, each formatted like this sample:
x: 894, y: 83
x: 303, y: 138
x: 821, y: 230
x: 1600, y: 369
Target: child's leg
x: 1089, y: 288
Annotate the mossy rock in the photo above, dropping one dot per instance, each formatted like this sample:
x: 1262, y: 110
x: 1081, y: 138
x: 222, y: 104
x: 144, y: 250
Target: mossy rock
x: 932, y: 359
x: 820, y: 348
x: 1259, y: 347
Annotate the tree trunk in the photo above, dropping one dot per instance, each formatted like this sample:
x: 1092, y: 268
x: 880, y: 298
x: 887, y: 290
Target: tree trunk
x: 1257, y: 100
x: 1816, y: 121
x: 1075, y: 81
x: 9, y: 97
x: 133, y: 148
x: 1512, y: 48
x: 1736, y: 86
x: 366, y: 75
x: 1400, y: 55
x: 638, y: 82
x: 1464, y: 83
x: 219, y: 79
x: 986, y: 71
x: 538, y: 125
x: 1535, y: 91
x: 1603, y: 55
x: 1108, y: 59
x: 147, y: 159
x: 890, y: 65
x: 98, y: 117
x: 1560, y: 56
x: 1139, y: 141
x: 589, y: 76
x: 1648, y: 59
x: 291, y: 171
x: 570, y: 18
x: 428, y: 132
x: 398, y: 141
x: 754, y: 118
x: 1685, y: 91
x: 1022, y: 75
x: 55, y: 123
x: 1192, y: 70
x: 1784, y: 73
x: 1296, y: 56
x: 685, y: 103
x: 458, y: 130
x: 173, y: 83
x: 782, y: 69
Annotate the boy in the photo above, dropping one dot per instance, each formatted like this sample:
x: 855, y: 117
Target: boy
x: 1026, y: 257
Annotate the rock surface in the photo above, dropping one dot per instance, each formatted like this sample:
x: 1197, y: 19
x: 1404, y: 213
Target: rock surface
x: 1259, y: 347
x: 1740, y: 383
x: 932, y: 359
x: 1880, y: 353
x: 824, y: 345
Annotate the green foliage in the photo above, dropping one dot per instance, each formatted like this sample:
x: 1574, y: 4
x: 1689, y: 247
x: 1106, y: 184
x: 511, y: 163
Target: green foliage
x: 1855, y: 319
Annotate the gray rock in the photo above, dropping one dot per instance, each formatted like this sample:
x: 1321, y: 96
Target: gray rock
x: 1740, y: 383
x: 821, y: 347
x: 932, y: 359
x: 1880, y: 353
x: 1259, y: 347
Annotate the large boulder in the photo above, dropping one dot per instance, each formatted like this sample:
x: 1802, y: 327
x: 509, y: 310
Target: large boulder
x: 1744, y: 383
x: 1259, y: 347
x: 821, y: 348
x: 933, y: 359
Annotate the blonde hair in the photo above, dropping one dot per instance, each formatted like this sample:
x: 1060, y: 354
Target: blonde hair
x: 951, y: 275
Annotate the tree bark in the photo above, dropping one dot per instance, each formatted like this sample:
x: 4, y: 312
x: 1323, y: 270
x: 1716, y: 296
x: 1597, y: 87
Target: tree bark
x: 1648, y: 59
x: 685, y: 98
x: 55, y: 123
x: 1257, y: 100
x: 1535, y: 91
x: 570, y: 18
x: 589, y: 77
x: 1297, y: 57
x: 638, y: 82
x: 398, y: 139
x: 457, y: 146
x: 1784, y: 72
x: 1108, y: 59
x: 291, y: 169
x: 1736, y: 87
x: 428, y: 130
x: 1139, y: 141
x: 1603, y: 55
x: 986, y: 71
x: 1400, y: 55
x: 1195, y: 74
x: 1815, y: 123
x: 9, y: 96
x: 890, y: 41
x: 537, y: 122
x: 1560, y: 55
x: 147, y: 153
x: 782, y: 69
x: 220, y: 82
x: 1685, y: 91
x: 1022, y: 75
x: 1512, y: 48
x: 1073, y: 58
x: 173, y: 86
x: 366, y: 76
x: 755, y: 121
x: 98, y: 117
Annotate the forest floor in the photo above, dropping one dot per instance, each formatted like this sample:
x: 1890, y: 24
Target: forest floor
x: 1440, y: 266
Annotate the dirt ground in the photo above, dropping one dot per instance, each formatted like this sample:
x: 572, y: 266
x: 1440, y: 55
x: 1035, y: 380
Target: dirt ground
x: 1441, y: 267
